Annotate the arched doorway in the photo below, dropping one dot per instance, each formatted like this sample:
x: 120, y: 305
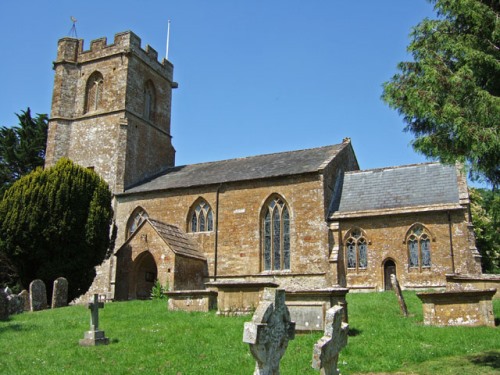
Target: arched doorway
x: 389, y: 269
x: 145, y: 274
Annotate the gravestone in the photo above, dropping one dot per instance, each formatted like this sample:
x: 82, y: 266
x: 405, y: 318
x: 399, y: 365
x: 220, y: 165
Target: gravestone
x: 4, y: 305
x: 399, y: 294
x: 326, y: 350
x: 94, y: 336
x: 25, y: 298
x: 15, y: 302
x: 269, y: 332
x: 38, y: 295
x: 60, y: 293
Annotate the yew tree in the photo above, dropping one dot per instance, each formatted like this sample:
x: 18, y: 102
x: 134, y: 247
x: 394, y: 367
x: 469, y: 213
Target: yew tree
x: 56, y: 222
x: 449, y: 94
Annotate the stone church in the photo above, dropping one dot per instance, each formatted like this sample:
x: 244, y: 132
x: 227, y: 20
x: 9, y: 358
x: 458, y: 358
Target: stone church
x: 309, y: 221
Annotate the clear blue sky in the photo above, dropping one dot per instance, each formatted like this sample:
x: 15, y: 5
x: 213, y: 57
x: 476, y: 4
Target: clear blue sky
x: 255, y: 76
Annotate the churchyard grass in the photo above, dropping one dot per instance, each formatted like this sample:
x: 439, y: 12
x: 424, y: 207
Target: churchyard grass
x: 147, y: 339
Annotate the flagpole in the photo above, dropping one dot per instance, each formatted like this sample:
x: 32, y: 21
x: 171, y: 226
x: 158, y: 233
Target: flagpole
x: 168, y: 39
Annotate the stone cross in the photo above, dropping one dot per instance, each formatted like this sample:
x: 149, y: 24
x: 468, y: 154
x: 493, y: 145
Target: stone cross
x: 399, y: 294
x: 38, y: 295
x: 269, y: 332
x: 326, y: 350
x: 94, y: 336
x: 60, y: 293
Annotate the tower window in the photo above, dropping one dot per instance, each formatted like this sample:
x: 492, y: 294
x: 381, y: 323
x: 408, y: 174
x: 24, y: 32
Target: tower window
x: 93, y: 92
x: 276, y: 235
x: 149, y: 101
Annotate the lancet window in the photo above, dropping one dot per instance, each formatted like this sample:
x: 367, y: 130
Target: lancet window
x: 201, y: 217
x: 276, y: 235
x: 93, y: 92
x: 356, y: 246
x: 149, y: 101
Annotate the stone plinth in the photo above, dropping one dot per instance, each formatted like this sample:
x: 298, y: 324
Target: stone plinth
x: 239, y: 297
x: 308, y: 307
x: 192, y: 300
x: 94, y: 338
x: 458, y: 307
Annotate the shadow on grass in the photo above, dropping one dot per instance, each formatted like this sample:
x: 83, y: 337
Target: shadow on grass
x: 353, y: 332
x: 497, y: 322
x: 489, y: 359
x: 11, y: 327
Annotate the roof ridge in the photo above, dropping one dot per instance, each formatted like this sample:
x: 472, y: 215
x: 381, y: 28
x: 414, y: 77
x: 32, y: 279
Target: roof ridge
x: 396, y: 167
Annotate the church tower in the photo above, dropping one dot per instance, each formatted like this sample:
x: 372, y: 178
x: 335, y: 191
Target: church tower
x: 111, y: 109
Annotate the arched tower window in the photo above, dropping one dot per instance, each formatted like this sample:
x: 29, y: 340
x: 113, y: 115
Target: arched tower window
x: 418, y: 240
x: 276, y: 235
x: 93, y: 92
x: 356, y: 246
x: 201, y: 217
x: 149, y: 101
x: 136, y: 219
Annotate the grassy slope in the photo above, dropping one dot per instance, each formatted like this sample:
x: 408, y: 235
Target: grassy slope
x: 147, y: 339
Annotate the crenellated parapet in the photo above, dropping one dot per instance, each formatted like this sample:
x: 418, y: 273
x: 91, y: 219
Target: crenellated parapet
x: 71, y: 50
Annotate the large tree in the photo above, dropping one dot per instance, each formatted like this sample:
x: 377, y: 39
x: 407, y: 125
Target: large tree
x: 56, y: 222
x: 449, y: 95
x: 22, y: 148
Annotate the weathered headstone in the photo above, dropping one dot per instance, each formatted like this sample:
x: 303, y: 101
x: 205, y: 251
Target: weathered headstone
x: 4, y: 305
x: 25, y: 298
x: 38, y: 295
x: 269, y: 332
x: 15, y: 302
x: 94, y: 336
x: 399, y: 294
x: 326, y: 350
x: 60, y: 293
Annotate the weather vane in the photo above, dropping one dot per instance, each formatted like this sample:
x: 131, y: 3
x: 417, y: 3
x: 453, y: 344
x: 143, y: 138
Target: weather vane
x: 72, y: 31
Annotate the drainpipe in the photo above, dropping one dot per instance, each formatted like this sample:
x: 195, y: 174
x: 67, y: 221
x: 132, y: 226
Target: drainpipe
x: 451, y: 244
x: 216, y: 242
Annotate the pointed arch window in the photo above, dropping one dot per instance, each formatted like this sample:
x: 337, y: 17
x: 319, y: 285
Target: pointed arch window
x: 201, y: 217
x: 418, y: 240
x: 149, y: 101
x: 356, y: 249
x: 93, y: 92
x: 135, y: 220
x: 276, y: 235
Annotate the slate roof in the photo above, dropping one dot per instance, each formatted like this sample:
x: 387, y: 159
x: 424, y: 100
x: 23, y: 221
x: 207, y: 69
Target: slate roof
x: 242, y: 169
x: 397, y: 187
x: 177, y: 240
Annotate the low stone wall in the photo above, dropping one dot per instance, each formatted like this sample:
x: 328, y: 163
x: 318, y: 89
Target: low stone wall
x: 458, y: 307
x: 467, y: 282
x: 192, y: 300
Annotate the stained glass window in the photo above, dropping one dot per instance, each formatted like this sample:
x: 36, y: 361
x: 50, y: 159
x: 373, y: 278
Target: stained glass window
x: 276, y: 236
x: 201, y: 218
x: 136, y: 219
x: 356, y: 250
x: 419, y: 247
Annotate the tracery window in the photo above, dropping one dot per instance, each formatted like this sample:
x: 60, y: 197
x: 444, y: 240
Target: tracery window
x: 276, y: 235
x: 356, y: 249
x: 201, y: 217
x: 93, y: 92
x: 135, y: 220
x: 149, y: 101
x: 419, y: 247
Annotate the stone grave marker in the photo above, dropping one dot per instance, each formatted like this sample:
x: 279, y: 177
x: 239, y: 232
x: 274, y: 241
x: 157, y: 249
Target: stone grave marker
x: 399, y: 294
x: 269, y: 332
x: 4, y: 305
x: 326, y: 350
x: 60, y: 293
x: 14, y: 301
x: 25, y: 298
x: 94, y: 336
x: 38, y: 295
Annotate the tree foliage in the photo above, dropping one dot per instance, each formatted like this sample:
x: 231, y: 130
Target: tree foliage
x: 56, y: 222
x: 485, y: 209
x: 449, y: 95
x: 22, y: 148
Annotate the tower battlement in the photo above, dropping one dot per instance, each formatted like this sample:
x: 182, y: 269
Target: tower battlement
x: 71, y: 50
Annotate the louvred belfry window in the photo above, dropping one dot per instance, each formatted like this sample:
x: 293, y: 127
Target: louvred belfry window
x: 93, y: 92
